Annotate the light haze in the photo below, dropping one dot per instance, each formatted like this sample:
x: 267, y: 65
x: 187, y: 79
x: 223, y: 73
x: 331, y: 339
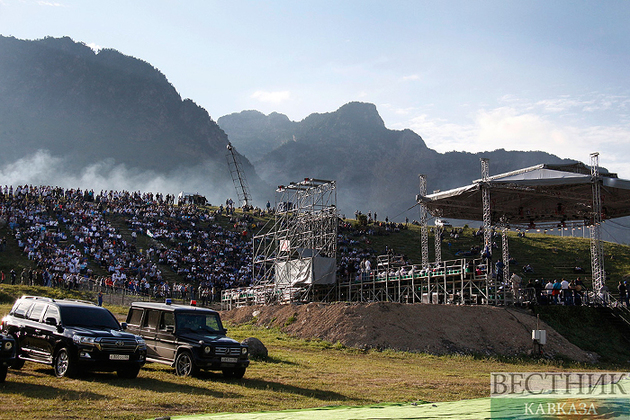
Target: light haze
x: 465, y: 75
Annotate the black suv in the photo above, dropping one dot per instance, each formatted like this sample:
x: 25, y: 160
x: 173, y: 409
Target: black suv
x: 187, y: 338
x: 72, y: 336
x: 7, y: 354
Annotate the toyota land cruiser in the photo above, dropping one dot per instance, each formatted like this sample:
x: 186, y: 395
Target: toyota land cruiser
x: 72, y: 336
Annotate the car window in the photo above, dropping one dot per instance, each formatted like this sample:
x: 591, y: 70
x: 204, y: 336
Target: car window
x: 36, y: 311
x: 167, y: 320
x: 135, y: 316
x: 212, y: 322
x: 22, y: 307
x: 151, y: 320
x: 88, y: 316
x: 198, y: 321
x: 52, y: 312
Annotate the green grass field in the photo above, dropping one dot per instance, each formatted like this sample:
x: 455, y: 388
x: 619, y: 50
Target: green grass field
x: 298, y: 374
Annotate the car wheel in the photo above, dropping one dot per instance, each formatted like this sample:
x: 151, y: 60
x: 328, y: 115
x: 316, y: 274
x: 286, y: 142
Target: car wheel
x: 17, y: 364
x: 3, y: 373
x: 185, y: 365
x: 63, y: 364
x: 234, y: 373
x: 130, y: 372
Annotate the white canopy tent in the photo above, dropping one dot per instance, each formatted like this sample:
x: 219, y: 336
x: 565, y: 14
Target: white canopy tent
x: 545, y: 193
x: 541, y: 193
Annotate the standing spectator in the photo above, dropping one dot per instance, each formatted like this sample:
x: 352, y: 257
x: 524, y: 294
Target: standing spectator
x: 579, y: 291
x: 557, y: 289
x: 549, y: 292
x: 566, y: 296
x: 623, y: 293
x: 604, y: 294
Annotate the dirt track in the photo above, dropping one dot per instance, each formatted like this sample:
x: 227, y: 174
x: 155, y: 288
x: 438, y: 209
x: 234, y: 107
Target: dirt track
x: 436, y: 329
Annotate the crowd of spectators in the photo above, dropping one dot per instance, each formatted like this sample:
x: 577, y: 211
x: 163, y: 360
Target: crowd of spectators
x: 78, y: 239
x: 67, y: 233
x: 354, y: 243
x: 555, y: 292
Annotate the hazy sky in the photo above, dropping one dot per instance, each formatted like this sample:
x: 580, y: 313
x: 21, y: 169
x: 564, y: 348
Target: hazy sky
x: 465, y: 75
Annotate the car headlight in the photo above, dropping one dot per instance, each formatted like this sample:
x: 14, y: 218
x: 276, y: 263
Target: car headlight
x: 243, y: 350
x: 140, y: 341
x: 8, y: 345
x: 81, y: 339
x: 207, y: 349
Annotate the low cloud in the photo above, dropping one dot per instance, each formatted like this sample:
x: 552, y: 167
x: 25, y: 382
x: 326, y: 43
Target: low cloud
x: 274, y: 98
x: 505, y: 126
x: 42, y: 168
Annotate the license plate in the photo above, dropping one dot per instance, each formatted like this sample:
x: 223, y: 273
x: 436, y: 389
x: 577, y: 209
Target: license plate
x: 229, y: 360
x: 118, y: 357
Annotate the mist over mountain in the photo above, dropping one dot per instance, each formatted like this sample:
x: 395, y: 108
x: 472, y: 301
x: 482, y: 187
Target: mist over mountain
x: 376, y: 169
x: 82, y: 113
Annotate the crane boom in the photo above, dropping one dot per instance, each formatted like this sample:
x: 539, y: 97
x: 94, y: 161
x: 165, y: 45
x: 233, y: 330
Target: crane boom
x: 238, y: 176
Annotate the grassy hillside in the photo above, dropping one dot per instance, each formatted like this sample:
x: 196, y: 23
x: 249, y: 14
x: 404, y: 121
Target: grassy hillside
x: 591, y: 329
x: 551, y: 256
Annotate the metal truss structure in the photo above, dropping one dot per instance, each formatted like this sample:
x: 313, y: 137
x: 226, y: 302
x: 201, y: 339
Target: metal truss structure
x: 460, y: 282
x: 485, y: 192
x: 305, y: 226
x: 424, y: 232
x: 597, y: 248
x: 437, y: 237
x: 505, y: 252
x: 304, y: 229
x: 537, y: 197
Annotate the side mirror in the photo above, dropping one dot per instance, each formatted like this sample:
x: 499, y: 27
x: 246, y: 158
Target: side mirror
x: 224, y: 331
x: 51, y: 321
x: 123, y: 325
x: 59, y: 328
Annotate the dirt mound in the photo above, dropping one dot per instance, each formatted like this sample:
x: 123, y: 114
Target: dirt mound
x: 436, y: 329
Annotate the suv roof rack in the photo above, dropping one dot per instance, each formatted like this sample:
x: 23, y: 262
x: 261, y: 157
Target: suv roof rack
x: 75, y: 300
x: 47, y: 299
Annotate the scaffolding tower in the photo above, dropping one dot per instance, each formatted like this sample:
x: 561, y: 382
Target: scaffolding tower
x: 597, y: 248
x: 487, y: 217
x: 424, y: 234
x: 295, y: 258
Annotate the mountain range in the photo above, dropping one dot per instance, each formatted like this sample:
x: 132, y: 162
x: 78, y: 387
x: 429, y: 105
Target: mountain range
x: 376, y: 169
x: 85, y: 108
x: 112, y: 121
